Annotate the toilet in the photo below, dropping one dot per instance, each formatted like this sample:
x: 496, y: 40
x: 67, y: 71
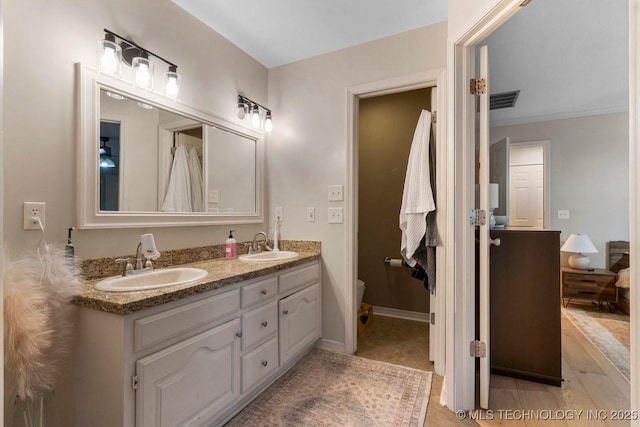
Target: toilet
x: 360, y: 293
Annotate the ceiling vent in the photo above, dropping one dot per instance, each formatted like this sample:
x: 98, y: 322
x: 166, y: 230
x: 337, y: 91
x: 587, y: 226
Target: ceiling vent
x: 503, y: 100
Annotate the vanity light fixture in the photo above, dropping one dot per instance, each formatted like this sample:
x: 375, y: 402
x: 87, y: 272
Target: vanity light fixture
x: 111, y: 55
x: 245, y: 105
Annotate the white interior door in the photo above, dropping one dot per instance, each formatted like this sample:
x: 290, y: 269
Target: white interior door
x: 485, y: 239
x: 527, y: 187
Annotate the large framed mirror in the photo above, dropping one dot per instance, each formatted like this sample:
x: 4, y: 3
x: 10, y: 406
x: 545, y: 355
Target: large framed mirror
x: 145, y: 160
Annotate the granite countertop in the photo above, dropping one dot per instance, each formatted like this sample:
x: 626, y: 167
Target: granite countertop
x: 222, y: 272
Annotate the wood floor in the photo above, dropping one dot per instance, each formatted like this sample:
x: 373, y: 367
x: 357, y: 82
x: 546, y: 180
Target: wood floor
x: 591, y: 384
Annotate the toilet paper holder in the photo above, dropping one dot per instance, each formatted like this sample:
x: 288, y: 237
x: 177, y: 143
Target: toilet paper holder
x: 394, y: 262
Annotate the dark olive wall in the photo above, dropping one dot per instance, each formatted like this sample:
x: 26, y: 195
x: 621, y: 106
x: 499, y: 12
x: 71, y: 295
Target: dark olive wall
x: 386, y: 128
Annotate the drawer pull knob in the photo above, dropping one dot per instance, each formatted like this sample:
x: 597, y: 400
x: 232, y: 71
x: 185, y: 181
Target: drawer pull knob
x: 263, y: 292
x: 265, y: 363
x: 285, y: 312
x: 239, y: 334
x: 264, y: 323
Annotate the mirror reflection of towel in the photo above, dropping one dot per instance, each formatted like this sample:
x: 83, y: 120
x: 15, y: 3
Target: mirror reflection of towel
x: 178, y: 197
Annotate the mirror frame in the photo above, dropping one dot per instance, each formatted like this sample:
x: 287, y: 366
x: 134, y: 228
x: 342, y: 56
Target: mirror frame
x: 88, y: 201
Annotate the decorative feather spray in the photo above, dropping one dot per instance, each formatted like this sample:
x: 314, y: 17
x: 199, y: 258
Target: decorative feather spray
x: 37, y: 330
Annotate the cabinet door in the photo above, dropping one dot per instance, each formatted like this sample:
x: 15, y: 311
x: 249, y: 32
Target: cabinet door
x: 187, y: 383
x: 299, y: 321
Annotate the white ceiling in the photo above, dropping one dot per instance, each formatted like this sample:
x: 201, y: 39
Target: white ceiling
x: 568, y: 57
x: 277, y: 32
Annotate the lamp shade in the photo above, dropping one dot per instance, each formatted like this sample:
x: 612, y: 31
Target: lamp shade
x: 579, y: 244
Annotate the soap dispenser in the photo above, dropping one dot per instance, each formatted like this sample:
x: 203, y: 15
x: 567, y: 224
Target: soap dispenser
x: 230, y: 246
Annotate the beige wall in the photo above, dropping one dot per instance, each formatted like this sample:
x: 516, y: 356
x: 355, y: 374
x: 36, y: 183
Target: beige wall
x: 45, y: 39
x: 386, y: 127
x: 308, y: 147
x: 589, y: 174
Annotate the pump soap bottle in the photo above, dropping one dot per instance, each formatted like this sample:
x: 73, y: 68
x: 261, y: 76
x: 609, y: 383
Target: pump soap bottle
x: 230, y: 246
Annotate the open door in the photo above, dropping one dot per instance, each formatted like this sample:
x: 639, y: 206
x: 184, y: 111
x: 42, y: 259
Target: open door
x: 485, y: 239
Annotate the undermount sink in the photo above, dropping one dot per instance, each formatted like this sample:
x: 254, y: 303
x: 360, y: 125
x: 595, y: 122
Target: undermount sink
x: 152, y: 280
x: 268, y: 256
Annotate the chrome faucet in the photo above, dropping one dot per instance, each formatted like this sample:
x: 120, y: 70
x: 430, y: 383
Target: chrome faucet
x: 255, y: 245
x: 140, y: 266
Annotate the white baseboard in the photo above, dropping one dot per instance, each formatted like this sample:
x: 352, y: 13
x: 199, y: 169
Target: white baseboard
x: 401, y: 314
x: 330, y: 345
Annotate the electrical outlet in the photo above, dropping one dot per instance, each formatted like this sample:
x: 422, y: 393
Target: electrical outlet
x: 213, y: 196
x: 335, y: 193
x: 33, y: 210
x: 311, y: 214
x: 335, y: 215
x: 278, y: 214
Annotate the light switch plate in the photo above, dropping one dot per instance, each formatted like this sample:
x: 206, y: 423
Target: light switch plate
x: 311, y: 214
x: 563, y: 214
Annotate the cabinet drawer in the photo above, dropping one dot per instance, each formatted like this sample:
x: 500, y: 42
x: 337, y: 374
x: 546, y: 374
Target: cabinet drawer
x: 299, y: 278
x: 589, y: 286
x: 160, y: 327
x: 259, y: 363
x: 258, y: 292
x: 259, y: 324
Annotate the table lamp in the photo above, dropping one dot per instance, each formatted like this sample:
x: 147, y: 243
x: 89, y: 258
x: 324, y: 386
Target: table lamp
x: 579, y: 244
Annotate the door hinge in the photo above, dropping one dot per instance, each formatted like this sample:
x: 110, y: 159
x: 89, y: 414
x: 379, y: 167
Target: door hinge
x: 478, y: 86
x: 478, y: 349
x: 477, y: 217
x: 433, y: 318
x: 134, y: 382
x: 434, y: 117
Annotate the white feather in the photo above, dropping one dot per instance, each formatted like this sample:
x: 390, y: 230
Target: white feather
x: 37, y: 303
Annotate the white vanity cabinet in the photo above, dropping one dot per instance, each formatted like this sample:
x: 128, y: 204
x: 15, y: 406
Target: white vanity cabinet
x: 196, y: 361
x: 190, y: 381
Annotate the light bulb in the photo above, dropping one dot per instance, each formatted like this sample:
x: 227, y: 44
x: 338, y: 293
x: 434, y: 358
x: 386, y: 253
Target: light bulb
x: 143, y: 72
x: 255, y: 117
x: 242, y: 112
x: 109, y: 63
x: 109, y: 54
x: 172, y: 82
x: 142, y: 75
x: 268, y: 124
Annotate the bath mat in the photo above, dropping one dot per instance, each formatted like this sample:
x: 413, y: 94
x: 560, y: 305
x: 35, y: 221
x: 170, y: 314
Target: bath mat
x: 334, y: 389
x: 608, y: 332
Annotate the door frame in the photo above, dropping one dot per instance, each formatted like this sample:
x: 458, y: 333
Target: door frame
x: 460, y: 370
x: 435, y: 77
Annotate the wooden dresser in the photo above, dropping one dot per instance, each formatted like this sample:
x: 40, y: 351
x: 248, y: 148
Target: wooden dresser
x: 525, y: 332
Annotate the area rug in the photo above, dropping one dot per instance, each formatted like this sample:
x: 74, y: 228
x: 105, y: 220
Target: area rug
x: 334, y: 389
x: 608, y: 332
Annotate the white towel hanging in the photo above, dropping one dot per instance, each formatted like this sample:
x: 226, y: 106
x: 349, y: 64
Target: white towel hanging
x: 417, y: 197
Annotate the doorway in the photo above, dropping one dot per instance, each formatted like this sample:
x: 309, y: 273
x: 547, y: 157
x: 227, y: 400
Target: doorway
x: 432, y: 78
x: 462, y: 50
